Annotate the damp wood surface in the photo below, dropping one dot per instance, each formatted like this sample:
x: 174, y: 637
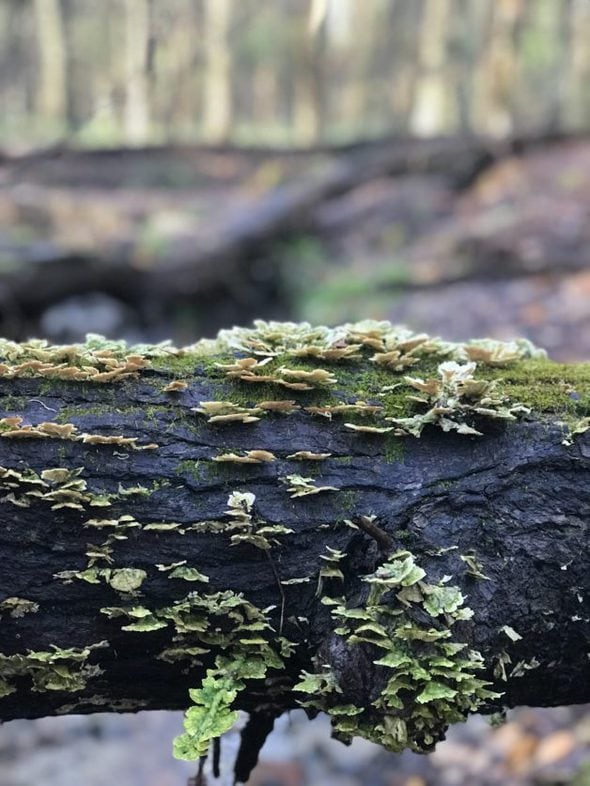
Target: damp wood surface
x: 166, y: 512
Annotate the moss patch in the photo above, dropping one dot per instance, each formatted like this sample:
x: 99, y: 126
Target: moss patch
x: 548, y: 388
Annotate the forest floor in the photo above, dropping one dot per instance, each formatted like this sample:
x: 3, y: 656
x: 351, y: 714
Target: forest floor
x: 177, y: 243
x: 534, y: 747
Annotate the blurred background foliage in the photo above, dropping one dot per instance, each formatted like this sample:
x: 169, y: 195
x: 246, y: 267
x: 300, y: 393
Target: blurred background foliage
x: 170, y: 167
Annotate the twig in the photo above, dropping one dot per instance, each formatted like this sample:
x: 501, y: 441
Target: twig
x: 384, y: 541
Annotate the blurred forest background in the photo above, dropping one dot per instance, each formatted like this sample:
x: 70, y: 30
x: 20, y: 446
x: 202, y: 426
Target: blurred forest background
x: 290, y: 71
x: 170, y: 167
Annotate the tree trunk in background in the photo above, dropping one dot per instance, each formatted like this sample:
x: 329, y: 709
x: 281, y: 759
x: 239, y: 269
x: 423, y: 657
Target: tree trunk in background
x: 498, y: 75
x: 18, y: 86
x: 404, y: 19
x: 463, y: 46
x: 137, y: 34
x: 350, y: 50
x: 539, y: 60
x: 338, y: 67
x: 556, y: 111
x: 309, y: 109
x: 266, y: 95
x: 431, y: 104
x: 217, y: 98
x: 580, y: 57
x: 51, y: 89
x: 178, y: 78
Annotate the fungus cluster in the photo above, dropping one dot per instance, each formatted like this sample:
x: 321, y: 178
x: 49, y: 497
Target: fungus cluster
x: 13, y: 428
x: 98, y: 360
x: 427, y: 674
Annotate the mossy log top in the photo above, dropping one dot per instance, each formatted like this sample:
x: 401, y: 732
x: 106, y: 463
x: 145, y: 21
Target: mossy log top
x: 361, y: 520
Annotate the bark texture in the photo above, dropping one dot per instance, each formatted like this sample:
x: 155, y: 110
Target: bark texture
x: 505, y: 514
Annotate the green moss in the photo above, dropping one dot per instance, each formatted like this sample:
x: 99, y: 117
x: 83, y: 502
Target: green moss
x: 47, y: 387
x: 66, y: 414
x: 357, y: 381
x: 193, y: 468
x: 223, y: 471
x: 157, y: 485
x: 14, y: 404
x: 403, y: 535
x: 346, y: 500
x: 154, y: 414
x: 178, y: 366
x: 61, y: 451
x: 393, y: 449
x: 548, y: 388
x: 367, y: 382
x: 187, y: 364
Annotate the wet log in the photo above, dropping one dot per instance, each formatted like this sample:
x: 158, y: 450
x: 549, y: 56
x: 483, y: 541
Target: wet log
x: 164, y: 515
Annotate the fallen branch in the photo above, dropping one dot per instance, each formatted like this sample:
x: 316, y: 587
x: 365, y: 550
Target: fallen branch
x: 380, y: 525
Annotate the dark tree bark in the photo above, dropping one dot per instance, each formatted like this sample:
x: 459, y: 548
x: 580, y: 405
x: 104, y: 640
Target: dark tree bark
x: 514, y: 500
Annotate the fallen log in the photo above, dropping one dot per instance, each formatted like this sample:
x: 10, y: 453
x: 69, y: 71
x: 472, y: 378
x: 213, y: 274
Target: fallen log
x: 197, y: 260
x: 380, y: 525
x: 69, y: 166
x: 206, y: 257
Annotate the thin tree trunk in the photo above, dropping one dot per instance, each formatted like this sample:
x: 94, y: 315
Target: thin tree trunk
x: 52, y: 91
x: 137, y: 32
x: 430, y: 109
x: 217, y: 101
x: 266, y: 95
x: 580, y: 58
x: 498, y: 74
x: 310, y: 110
